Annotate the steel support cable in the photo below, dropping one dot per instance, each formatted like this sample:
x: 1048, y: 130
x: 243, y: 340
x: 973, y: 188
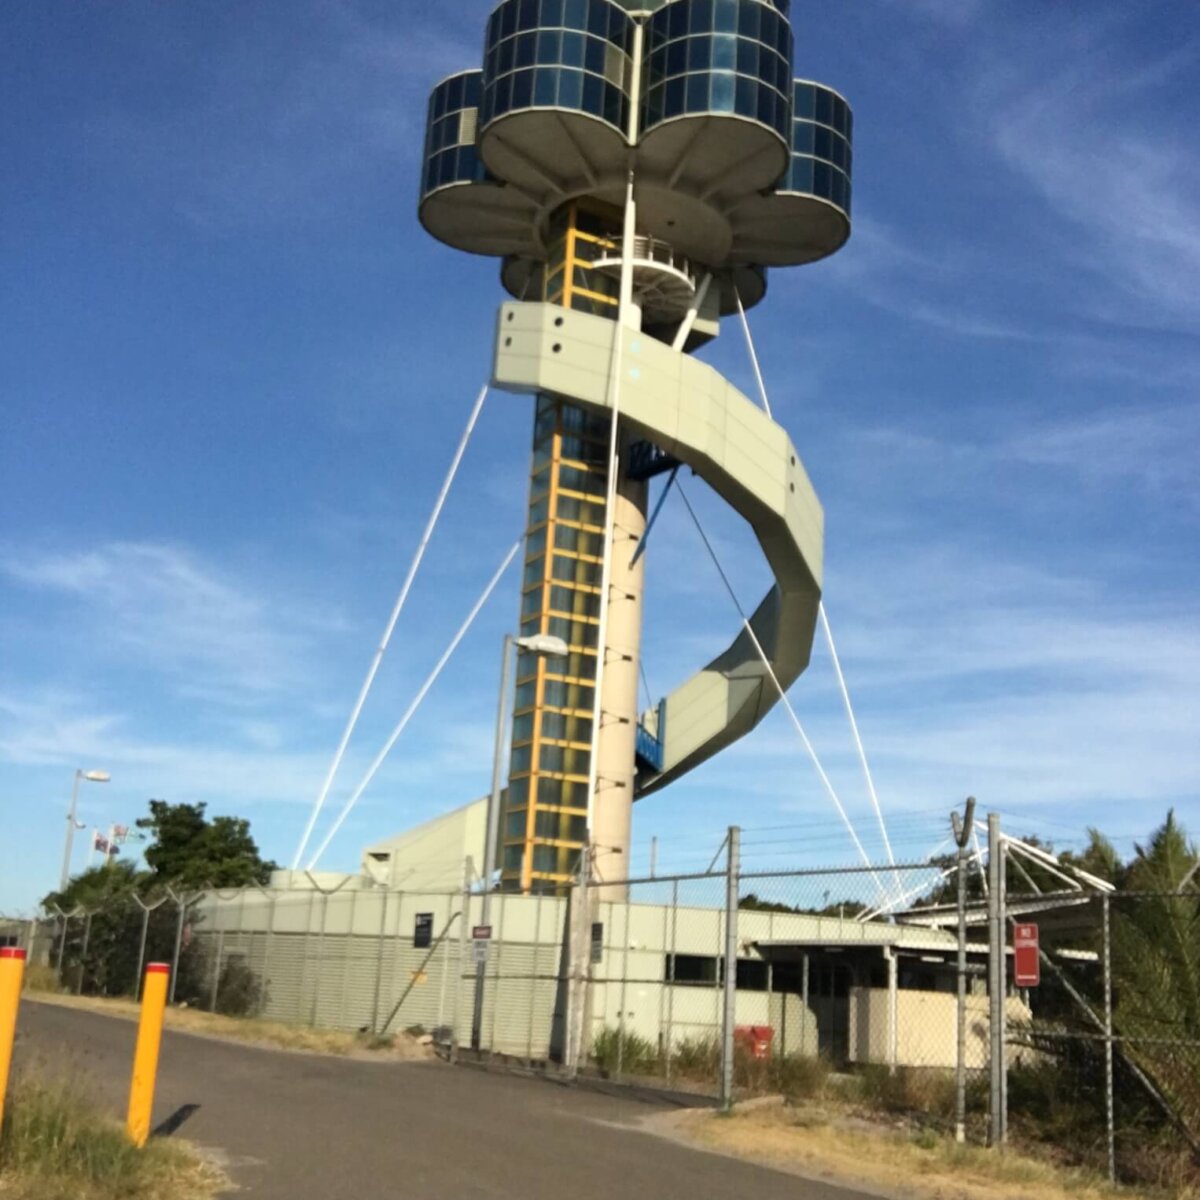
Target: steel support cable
x: 837, y: 666
x: 787, y: 704
x: 391, y: 625
x: 416, y: 702
x: 858, y: 743
x: 762, y: 388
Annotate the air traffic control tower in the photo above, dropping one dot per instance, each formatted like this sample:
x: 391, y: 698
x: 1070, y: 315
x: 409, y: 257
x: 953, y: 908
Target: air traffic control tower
x: 636, y: 168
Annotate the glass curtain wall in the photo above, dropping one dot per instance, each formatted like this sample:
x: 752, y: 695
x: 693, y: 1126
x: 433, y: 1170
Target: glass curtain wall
x: 545, y: 814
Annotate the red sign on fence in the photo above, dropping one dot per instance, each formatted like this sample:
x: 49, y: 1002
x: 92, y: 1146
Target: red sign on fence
x: 1027, y: 966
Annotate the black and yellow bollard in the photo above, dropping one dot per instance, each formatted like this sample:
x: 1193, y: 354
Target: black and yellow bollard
x: 12, y: 968
x: 145, y: 1057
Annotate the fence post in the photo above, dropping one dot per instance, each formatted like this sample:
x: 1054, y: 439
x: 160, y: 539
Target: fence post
x: 347, y: 953
x: 893, y: 978
x: 216, y: 975
x: 468, y: 872
x: 264, y: 992
x: 137, y: 979
x: 623, y: 994
x: 62, y: 945
x: 379, y: 961
x: 670, y: 1051
x: 533, y: 976
x: 729, y: 1015
x: 87, y: 934
x: 316, y: 1001
x: 181, y: 910
x: 962, y: 836
x: 1108, y: 1046
x: 997, y: 981
x: 806, y: 1013
x: 445, y: 967
x: 499, y: 945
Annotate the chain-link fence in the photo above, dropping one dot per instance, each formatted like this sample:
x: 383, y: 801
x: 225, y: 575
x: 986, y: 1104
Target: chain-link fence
x: 1105, y: 1060
x: 840, y: 984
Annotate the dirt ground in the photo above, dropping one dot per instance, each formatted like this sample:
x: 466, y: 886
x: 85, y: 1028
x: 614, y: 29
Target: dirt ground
x: 817, y: 1144
x: 400, y: 1047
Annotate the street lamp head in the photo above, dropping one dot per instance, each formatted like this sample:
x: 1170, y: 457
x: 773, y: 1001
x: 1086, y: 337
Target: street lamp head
x: 96, y: 776
x: 544, y: 644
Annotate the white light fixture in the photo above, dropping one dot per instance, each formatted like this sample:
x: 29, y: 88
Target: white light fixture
x: 72, y: 821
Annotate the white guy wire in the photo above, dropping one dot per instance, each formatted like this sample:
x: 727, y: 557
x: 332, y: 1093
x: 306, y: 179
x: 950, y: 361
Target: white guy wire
x: 862, y: 754
x: 787, y: 704
x: 762, y: 389
x: 412, y: 708
x: 391, y: 625
x: 894, y: 902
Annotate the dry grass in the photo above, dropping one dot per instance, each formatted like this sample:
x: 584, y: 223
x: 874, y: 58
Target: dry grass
x: 828, y: 1143
x: 256, y: 1032
x: 56, y: 1145
x: 39, y: 977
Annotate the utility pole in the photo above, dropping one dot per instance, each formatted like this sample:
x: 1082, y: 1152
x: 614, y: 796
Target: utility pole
x: 579, y: 908
x: 962, y: 835
x: 997, y: 986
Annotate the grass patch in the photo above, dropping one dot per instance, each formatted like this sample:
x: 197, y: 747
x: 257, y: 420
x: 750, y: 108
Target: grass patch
x: 826, y: 1141
x: 253, y: 1030
x: 56, y: 1145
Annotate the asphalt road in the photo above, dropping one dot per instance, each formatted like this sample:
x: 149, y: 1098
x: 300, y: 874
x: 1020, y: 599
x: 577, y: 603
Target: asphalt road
x: 301, y: 1127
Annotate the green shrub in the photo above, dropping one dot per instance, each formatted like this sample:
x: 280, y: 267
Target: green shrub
x: 923, y: 1092
x: 698, y: 1057
x: 239, y: 990
x: 627, y: 1053
x: 799, y: 1076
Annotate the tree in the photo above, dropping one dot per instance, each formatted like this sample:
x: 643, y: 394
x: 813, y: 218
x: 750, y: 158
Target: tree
x: 752, y: 902
x: 110, y: 909
x: 191, y: 851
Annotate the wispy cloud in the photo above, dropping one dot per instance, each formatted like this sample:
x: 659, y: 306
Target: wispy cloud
x: 1155, y: 449
x: 1093, y: 134
x: 884, y: 269
x: 173, y: 614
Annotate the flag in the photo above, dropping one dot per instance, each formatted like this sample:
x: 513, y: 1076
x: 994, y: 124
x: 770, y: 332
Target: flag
x: 120, y: 833
x: 101, y: 843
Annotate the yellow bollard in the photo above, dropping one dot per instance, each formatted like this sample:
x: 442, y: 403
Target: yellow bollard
x: 145, y: 1057
x: 12, y: 967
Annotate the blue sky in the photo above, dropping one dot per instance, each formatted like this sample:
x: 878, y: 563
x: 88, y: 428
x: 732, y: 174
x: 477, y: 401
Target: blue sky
x: 233, y: 369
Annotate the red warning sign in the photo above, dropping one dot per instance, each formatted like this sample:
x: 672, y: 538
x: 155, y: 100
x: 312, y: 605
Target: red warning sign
x: 1027, y: 966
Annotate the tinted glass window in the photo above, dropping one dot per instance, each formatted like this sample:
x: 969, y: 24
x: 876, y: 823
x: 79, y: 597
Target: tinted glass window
x: 824, y: 107
x: 721, y: 97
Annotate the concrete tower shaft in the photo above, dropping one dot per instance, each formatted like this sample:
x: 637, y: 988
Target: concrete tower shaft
x: 636, y: 168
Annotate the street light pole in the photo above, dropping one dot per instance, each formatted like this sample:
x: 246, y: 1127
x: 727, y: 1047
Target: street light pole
x: 545, y: 646
x: 91, y: 777
x: 492, y: 837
